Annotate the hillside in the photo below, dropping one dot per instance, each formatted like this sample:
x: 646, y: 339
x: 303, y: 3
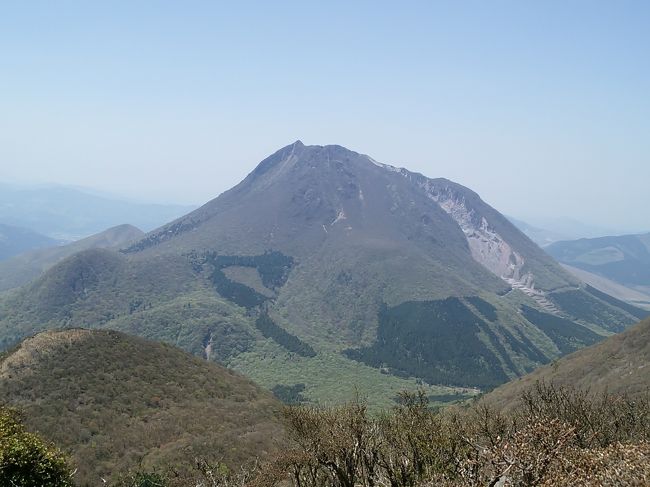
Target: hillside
x: 113, y: 401
x: 68, y: 213
x: 326, y: 272
x: 617, y: 365
x: 27, y: 266
x: 623, y: 259
x: 636, y: 297
x: 16, y: 240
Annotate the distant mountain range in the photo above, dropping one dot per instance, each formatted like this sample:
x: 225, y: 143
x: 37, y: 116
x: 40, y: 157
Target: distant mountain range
x: 619, y: 265
x: 540, y: 236
x: 65, y: 213
x: 16, y: 240
x: 545, y: 231
x: 117, y: 403
x: 326, y: 272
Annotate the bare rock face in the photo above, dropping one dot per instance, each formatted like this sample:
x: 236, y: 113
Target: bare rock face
x: 490, y: 249
x: 487, y: 246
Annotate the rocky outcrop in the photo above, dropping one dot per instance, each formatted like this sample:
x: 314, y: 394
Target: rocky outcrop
x: 486, y: 245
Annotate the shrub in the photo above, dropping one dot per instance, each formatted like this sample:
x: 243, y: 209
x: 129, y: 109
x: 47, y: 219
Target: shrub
x: 556, y: 437
x: 143, y: 479
x: 25, y: 459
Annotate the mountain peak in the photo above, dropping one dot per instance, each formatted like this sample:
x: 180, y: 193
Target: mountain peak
x: 319, y: 151
x: 301, y: 154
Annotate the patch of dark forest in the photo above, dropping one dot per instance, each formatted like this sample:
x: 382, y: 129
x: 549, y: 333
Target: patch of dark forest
x: 273, y: 268
x: 438, y: 342
x: 586, y: 306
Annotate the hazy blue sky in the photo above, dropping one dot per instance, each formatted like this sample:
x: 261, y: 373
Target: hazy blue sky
x: 542, y: 107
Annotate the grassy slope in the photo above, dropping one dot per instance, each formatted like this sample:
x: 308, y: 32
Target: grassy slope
x: 90, y: 289
x: 112, y: 400
x: 166, y: 301
x: 619, y: 364
x: 636, y: 297
x: 165, y: 298
x: 330, y: 378
x: 27, y: 266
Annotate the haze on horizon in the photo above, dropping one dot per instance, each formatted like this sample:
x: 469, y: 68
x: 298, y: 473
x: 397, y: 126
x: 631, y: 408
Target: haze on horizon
x: 542, y: 108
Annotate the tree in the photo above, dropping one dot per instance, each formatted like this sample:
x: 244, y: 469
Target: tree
x: 25, y: 459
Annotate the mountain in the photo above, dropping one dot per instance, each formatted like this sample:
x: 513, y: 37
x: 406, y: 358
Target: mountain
x: 567, y: 228
x: 27, y: 266
x: 624, y: 259
x: 16, y: 240
x: 66, y: 213
x: 114, y: 402
x: 326, y: 272
x: 617, y: 365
